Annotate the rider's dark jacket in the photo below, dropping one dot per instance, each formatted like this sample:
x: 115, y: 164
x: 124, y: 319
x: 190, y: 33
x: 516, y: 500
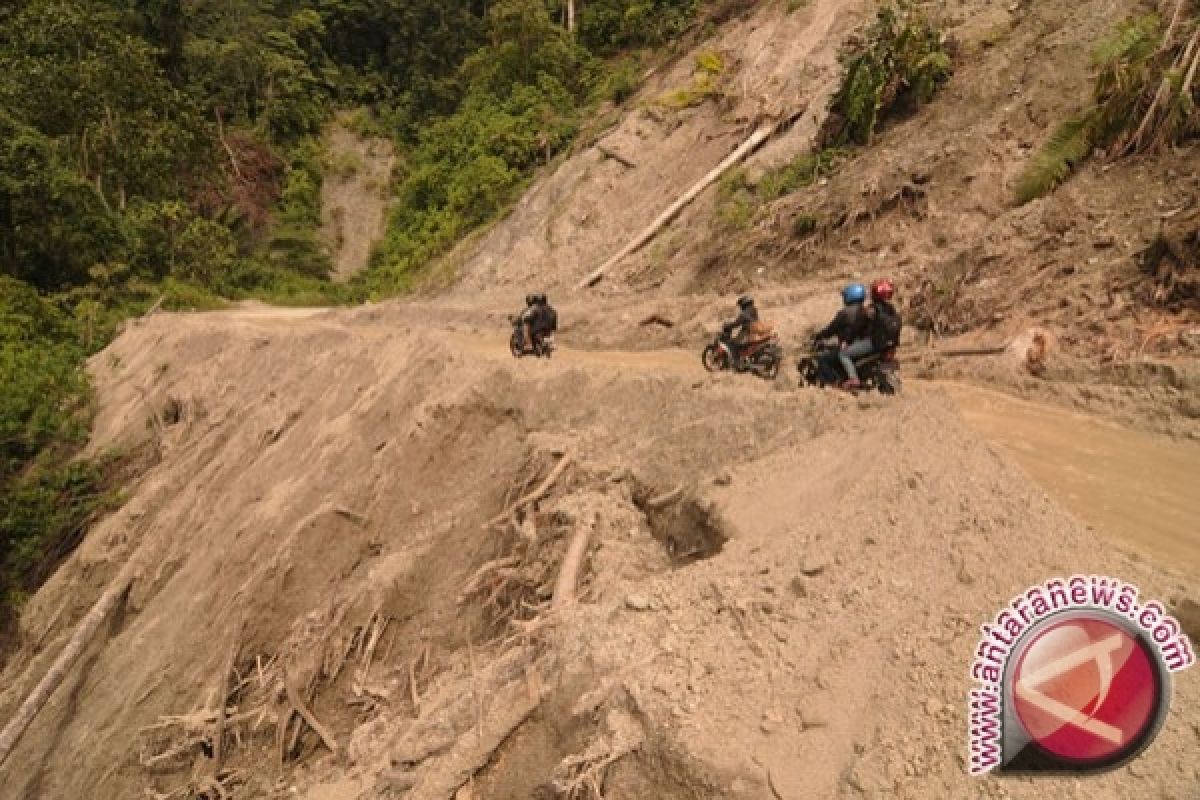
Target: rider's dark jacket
x: 545, y: 320
x: 849, y: 324
x: 745, y: 318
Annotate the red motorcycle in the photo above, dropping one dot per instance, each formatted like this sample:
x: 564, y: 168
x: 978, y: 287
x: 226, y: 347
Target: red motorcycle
x: 762, y: 357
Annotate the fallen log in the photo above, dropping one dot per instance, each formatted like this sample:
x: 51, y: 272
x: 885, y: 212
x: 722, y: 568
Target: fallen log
x: 973, y: 351
x: 615, y: 156
x: 218, y: 742
x: 306, y: 714
x: 511, y: 706
x: 663, y: 500
x: 84, y: 631
x: 760, y: 135
x: 568, y: 574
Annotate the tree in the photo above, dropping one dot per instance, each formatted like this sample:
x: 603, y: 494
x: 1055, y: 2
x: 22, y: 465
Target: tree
x: 74, y: 74
x: 53, y: 224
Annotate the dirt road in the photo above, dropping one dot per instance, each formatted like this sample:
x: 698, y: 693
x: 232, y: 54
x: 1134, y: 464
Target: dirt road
x: 1135, y: 488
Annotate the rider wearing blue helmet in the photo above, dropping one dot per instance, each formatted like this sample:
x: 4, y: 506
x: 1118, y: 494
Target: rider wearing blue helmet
x: 851, y: 326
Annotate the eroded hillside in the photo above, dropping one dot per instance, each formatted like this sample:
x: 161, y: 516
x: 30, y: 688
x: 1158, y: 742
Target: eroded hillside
x: 376, y: 557
x: 329, y: 518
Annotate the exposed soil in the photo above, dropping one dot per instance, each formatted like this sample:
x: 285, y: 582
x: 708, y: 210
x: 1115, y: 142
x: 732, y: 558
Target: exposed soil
x: 792, y: 619
x: 354, y: 196
x: 780, y: 589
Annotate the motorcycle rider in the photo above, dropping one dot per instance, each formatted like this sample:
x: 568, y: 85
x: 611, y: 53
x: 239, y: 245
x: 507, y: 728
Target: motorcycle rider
x: 851, y: 326
x: 527, y: 319
x: 885, y: 319
x: 746, y: 319
x: 546, y: 320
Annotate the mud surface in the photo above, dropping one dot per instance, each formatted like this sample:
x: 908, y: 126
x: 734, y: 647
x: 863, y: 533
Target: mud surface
x: 1136, y: 488
x: 439, y: 573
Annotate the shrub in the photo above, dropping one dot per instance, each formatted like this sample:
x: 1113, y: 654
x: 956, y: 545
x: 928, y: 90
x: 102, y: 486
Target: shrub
x: 804, y: 225
x: 710, y: 62
x: 1141, y: 100
x: 804, y: 170
x: 1069, y: 145
x: 897, y: 66
x: 620, y: 81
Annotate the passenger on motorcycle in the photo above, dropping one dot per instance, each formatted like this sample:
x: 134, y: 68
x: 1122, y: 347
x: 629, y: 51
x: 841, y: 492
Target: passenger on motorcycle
x: 545, y: 320
x: 745, y: 324
x: 885, y: 322
x: 528, y: 318
x: 851, y: 326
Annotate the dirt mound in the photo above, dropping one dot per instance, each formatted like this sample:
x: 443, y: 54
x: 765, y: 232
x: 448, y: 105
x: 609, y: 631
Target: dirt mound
x: 357, y: 536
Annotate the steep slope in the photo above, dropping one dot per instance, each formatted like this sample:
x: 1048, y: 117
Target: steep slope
x: 789, y: 620
x: 342, y: 595
x: 930, y: 201
x: 772, y: 63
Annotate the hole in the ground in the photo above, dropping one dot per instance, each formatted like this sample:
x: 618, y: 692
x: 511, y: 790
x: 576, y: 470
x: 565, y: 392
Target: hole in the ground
x: 172, y: 412
x: 688, y: 529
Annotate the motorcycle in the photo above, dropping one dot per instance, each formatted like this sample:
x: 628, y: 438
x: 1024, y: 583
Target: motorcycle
x: 762, y: 358
x: 879, y: 371
x: 542, y: 346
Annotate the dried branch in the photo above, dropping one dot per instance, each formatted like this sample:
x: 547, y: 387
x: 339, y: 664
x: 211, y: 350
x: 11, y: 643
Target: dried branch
x: 535, y: 495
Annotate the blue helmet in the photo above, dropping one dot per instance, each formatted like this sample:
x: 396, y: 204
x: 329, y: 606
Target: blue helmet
x: 854, y: 294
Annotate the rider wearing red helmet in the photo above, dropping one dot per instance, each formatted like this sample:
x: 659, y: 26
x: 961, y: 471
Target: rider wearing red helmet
x: 884, y: 319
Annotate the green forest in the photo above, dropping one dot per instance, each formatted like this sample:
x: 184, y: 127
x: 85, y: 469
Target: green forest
x: 169, y: 152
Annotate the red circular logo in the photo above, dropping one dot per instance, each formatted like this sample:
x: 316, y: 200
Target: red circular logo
x: 1086, y: 690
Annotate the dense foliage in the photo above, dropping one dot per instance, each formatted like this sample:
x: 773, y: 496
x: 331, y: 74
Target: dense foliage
x: 898, y: 64
x: 521, y: 97
x: 162, y: 149
x: 1145, y: 96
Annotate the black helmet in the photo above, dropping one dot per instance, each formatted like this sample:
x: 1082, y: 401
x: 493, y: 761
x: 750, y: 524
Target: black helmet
x: 745, y: 301
x: 530, y: 299
x: 541, y: 298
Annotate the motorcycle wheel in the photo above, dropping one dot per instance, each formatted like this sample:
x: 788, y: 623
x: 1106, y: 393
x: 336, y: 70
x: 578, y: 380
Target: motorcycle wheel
x: 889, y: 383
x: 514, y: 345
x: 711, y: 359
x: 808, y: 371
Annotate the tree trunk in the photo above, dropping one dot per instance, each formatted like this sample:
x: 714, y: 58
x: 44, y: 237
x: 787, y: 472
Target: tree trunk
x: 763, y: 133
x: 568, y: 574
x: 79, y: 640
x: 571, y: 16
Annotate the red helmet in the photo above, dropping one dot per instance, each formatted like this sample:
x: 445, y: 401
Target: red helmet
x: 882, y: 289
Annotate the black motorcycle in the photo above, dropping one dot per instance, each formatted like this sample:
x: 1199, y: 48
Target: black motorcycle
x: 541, y: 347
x: 878, y: 371
x: 762, y: 358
